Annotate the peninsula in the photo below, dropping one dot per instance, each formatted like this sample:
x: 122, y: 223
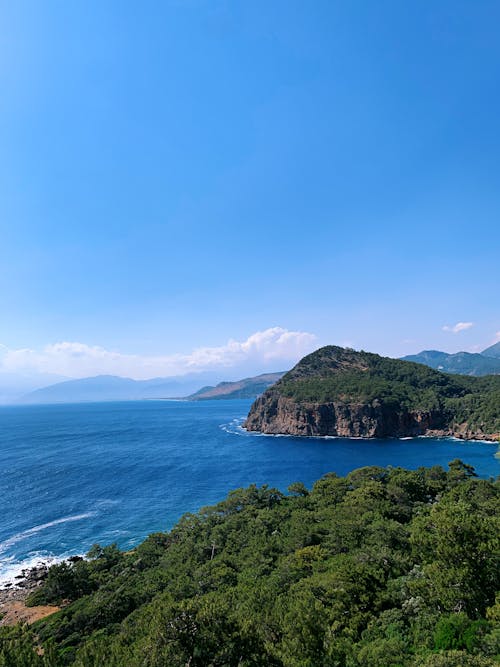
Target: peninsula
x: 338, y: 391
x: 246, y: 388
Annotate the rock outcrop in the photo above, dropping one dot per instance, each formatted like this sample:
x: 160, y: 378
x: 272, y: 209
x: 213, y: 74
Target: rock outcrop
x: 279, y: 414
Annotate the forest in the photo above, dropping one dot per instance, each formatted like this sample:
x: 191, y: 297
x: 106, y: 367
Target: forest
x: 385, y: 567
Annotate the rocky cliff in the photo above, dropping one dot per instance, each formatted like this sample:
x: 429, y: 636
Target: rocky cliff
x: 344, y: 393
x: 279, y: 414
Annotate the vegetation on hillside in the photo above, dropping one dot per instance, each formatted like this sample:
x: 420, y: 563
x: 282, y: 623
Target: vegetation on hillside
x: 335, y: 374
x: 382, y: 568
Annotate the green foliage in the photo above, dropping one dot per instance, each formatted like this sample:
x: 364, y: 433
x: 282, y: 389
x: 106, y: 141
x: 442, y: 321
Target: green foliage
x: 298, y: 489
x: 17, y: 649
x: 454, y: 659
x: 458, y: 631
x: 382, y: 568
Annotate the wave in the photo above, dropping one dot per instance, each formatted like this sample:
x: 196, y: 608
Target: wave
x: 43, y: 526
x: 11, y: 569
x: 234, y: 427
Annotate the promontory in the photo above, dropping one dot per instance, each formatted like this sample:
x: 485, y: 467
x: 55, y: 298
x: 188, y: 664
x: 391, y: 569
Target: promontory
x: 338, y: 391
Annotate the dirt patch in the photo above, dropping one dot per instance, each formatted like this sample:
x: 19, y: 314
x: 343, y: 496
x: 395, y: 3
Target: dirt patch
x: 15, y: 611
x: 13, y: 596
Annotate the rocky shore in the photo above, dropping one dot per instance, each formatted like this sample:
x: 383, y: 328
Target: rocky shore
x: 275, y: 414
x: 13, y: 597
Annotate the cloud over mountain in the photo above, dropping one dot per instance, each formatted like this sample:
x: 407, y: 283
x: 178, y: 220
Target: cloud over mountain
x: 74, y: 359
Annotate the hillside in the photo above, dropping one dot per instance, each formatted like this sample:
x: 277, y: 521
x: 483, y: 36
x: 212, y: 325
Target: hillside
x: 246, y: 388
x: 382, y: 568
x: 341, y: 392
x: 464, y: 363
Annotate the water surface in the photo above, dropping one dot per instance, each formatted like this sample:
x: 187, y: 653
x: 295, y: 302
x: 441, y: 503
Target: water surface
x: 75, y: 474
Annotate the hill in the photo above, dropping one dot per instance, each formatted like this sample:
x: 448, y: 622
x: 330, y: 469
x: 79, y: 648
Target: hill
x: 341, y: 392
x: 464, y: 363
x: 246, y: 388
x: 382, y: 568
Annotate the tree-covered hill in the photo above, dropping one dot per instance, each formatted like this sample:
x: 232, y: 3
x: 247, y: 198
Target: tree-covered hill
x: 337, y: 391
x: 382, y: 568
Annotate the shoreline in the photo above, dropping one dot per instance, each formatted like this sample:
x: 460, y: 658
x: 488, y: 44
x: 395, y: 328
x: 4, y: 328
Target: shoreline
x: 13, y: 595
x: 489, y: 439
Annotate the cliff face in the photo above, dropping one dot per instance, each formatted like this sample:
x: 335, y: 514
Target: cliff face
x: 318, y: 398
x: 275, y: 414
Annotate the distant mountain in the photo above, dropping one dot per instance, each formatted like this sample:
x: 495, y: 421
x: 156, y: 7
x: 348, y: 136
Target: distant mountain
x: 113, y: 388
x: 247, y: 388
x: 464, y: 363
x: 15, y: 385
x: 493, y: 351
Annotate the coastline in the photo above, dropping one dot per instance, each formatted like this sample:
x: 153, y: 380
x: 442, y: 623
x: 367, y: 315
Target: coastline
x: 489, y: 439
x: 13, y: 595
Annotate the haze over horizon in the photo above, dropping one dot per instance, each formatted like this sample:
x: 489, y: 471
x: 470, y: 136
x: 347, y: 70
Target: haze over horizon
x: 265, y: 351
x: 211, y: 185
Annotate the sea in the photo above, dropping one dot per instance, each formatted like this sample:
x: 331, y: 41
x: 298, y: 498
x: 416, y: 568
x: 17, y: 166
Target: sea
x: 72, y: 475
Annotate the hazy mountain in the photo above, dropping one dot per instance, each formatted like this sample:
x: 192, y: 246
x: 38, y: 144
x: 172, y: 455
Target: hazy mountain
x: 246, y: 388
x: 465, y: 363
x: 113, y: 388
x: 15, y: 385
x: 492, y: 351
x: 202, y: 386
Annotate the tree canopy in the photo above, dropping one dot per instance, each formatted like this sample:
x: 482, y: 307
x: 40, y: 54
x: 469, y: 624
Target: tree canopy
x: 385, y: 567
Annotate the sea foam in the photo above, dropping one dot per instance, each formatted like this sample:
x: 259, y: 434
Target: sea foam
x: 43, y: 526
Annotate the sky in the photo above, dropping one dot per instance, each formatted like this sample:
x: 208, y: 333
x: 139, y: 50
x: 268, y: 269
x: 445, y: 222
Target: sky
x: 195, y: 184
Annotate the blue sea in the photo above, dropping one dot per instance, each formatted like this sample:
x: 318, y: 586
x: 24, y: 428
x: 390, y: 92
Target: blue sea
x: 76, y: 474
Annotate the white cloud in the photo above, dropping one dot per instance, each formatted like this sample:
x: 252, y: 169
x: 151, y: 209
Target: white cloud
x: 459, y: 326
x: 81, y: 360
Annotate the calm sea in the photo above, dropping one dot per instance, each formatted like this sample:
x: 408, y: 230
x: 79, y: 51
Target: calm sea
x: 72, y: 475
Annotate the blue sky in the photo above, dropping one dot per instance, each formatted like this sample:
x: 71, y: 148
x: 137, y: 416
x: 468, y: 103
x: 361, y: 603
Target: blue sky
x: 175, y: 175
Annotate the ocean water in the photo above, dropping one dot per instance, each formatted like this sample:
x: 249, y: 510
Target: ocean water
x: 76, y: 474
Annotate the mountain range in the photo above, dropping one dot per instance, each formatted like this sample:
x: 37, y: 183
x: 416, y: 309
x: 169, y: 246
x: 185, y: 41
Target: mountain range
x: 203, y: 386
x: 114, y: 388
x: 486, y: 362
